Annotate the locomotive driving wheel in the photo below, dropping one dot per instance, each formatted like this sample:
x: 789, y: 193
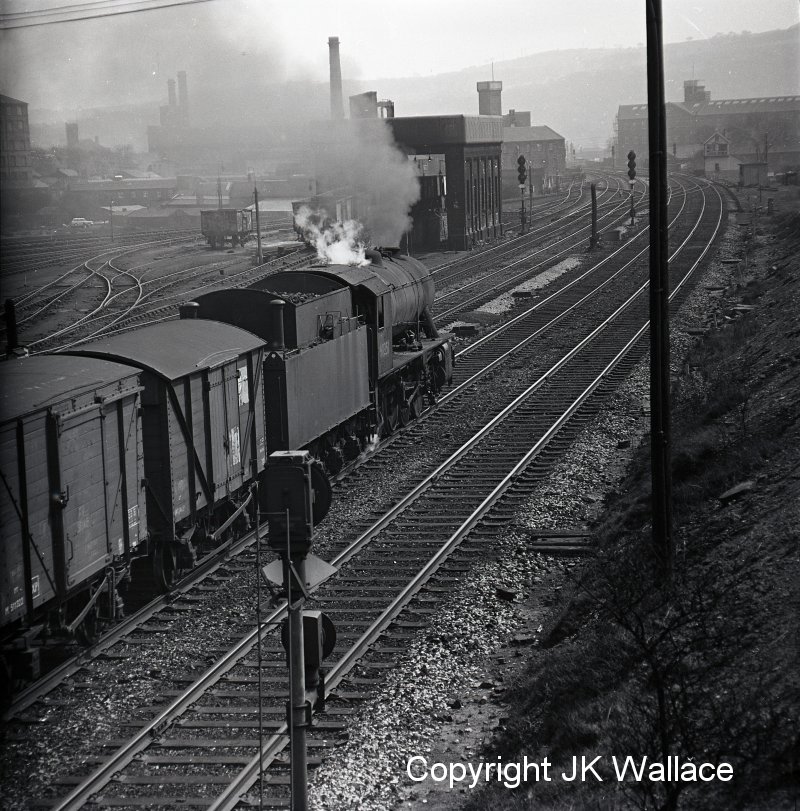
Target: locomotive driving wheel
x: 411, y: 407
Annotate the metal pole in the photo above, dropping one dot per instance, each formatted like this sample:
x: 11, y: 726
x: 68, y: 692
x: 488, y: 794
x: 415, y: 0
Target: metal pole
x: 298, y: 709
x: 254, y: 491
x: 593, y: 241
x: 111, y: 219
x: 659, y: 296
x: 522, y: 208
x: 633, y: 206
x: 259, y: 255
x: 530, y: 192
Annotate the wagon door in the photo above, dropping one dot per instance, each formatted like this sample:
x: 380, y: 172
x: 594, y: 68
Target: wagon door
x: 26, y: 554
x: 79, y: 469
x: 217, y: 437
x: 124, y: 472
x: 237, y: 405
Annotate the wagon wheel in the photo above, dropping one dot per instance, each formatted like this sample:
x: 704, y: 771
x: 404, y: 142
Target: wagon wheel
x: 439, y: 377
x: 88, y: 632
x: 165, y: 566
x: 352, y: 447
x: 334, y: 459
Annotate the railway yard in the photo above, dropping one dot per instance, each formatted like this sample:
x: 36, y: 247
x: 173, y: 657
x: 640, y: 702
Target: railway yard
x: 465, y: 542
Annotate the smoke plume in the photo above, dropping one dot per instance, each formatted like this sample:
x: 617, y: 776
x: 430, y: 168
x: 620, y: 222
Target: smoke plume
x: 361, y: 155
x: 337, y: 243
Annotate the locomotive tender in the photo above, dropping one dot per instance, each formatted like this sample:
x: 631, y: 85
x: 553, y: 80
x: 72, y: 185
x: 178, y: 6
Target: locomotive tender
x: 126, y: 456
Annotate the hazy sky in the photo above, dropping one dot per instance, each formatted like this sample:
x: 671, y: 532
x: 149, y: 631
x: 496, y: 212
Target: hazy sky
x: 129, y: 57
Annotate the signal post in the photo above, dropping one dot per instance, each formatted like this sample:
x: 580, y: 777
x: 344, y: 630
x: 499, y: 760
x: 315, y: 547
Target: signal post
x: 296, y: 497
x: 521, y: 175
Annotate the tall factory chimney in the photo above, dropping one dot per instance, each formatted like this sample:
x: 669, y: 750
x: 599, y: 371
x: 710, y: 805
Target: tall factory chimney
x: 489, y: 98
x: 72, y: 134
x: 337, y: 107
x: 183, y: 98
x: 173, y: 101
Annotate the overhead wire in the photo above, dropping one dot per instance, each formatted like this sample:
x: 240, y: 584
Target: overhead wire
x: 29, y: 19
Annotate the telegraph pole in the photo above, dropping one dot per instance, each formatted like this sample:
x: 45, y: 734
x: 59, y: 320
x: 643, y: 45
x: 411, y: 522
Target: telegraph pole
x: 663, y: 542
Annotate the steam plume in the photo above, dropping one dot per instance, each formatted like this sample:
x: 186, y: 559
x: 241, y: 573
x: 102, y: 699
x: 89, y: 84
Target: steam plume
x: 337, y: 243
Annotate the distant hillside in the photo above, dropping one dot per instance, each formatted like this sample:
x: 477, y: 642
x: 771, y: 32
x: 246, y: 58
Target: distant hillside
x: 576, y: 92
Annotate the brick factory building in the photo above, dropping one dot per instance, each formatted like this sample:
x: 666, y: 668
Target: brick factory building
x: 752, y: 130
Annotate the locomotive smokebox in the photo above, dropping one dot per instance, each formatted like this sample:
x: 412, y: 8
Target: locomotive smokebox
x: 276, y: 337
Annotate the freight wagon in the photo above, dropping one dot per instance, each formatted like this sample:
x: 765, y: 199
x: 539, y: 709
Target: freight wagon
x: 202, y: 428
x: 221, y: 224
x: 72, y: 511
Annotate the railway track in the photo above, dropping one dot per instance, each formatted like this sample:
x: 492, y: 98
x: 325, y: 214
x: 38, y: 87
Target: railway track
x: 560, y: 221
x: 488, y: 472
x: 134, y: 300
x: 483, y: 276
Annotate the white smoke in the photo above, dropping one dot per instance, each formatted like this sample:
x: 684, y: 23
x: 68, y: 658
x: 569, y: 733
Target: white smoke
x: 337, y: 243
x: 361, y: 156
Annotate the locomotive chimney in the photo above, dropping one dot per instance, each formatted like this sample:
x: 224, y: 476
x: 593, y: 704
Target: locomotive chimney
x: 188, y: 310
x: 337, y: 108
x: 277, y: 340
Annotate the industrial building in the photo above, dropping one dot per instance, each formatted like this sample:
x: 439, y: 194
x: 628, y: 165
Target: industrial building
x: 717, y: 136
x: 15, y: 144
x: 543, y: 148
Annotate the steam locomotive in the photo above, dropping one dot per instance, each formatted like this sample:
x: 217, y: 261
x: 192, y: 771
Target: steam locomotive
x: 126, y: 458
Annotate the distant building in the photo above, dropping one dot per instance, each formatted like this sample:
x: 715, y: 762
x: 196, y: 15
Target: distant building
x: 516, y: 118
x: 544, y: 150
x: 85, y: 195
x: 717, y: 158
x: 763, y: 129
x: 489, y: 94
x: 15, y: 144
x: 366, y: 105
